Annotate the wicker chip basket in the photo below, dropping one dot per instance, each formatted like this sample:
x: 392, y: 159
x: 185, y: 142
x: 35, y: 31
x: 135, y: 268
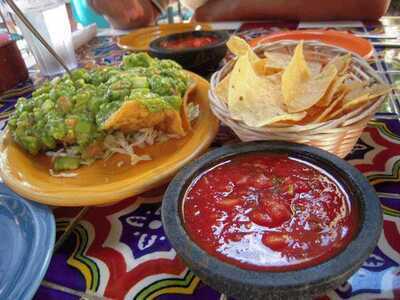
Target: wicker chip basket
x: 337, y: 136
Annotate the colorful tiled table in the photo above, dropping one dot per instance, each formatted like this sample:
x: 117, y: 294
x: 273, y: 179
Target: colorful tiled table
x: 121, y: 251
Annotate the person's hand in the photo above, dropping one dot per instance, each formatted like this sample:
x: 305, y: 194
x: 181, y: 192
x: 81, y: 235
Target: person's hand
x: 217, y: 10
x: 125, y: 14
x: 303, y: 10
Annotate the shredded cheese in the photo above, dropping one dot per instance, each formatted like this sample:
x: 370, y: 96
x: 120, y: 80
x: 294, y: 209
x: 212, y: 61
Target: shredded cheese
x: 193, y: 111
x: 118, y: 142
x: 62, y: 174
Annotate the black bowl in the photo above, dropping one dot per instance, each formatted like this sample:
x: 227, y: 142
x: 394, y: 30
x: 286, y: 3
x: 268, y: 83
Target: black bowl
x: 300, y: 284
x: 202, y: 60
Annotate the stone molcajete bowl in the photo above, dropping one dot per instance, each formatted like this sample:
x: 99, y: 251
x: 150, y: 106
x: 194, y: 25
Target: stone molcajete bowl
x: 300, y: 284
x: 202, y: 60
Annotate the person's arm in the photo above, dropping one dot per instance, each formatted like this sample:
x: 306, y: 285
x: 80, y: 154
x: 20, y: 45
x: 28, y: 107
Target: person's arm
x: 126, y: 14
x: 305, y: 10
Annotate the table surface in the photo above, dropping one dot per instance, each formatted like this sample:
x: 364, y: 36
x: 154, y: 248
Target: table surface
x: 121, y: 252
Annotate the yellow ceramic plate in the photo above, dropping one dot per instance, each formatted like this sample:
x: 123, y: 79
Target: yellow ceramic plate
x: 105, y: 182
x: 140, y: 39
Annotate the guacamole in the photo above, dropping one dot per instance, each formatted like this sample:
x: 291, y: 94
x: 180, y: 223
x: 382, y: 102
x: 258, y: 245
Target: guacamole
x: 68, y: 113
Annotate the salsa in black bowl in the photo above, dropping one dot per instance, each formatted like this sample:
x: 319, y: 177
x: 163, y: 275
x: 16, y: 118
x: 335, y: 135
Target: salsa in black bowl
x: 197, y: 51
x: 272, y: 220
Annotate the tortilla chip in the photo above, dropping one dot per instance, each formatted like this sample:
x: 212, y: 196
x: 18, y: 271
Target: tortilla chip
x: 312, y: 114
x: 277, y: 61
x: 335, y: 106
x: 132, y: 116
x: 318, y: 114
x: 336, y: 113
x: 284, y: 123
x: 378, y: 90
x: 358, y: 94
x: 172, y: 123
x: 295, y: 75
x: 184, y: 108
x: 256, y: 100
x: 341, y: 63
x: 289, y: 90
x: 353, y: 85
x: 332, y: 90
x: 356, y: 103
x: 309, y: 92
x: 222, y: 89
x: 259, y: 67
x: 359, y: 97
x: 240, y: 47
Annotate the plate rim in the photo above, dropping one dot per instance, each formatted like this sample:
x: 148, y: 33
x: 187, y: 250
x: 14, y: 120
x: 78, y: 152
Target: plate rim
x: 38, y: 261
x: 85, y: 197
x: 315, y: 32
x: 159, y: 28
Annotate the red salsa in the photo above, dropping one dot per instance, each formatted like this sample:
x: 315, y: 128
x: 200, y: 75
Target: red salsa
x: 269, y: 212
x: 189, y: 42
